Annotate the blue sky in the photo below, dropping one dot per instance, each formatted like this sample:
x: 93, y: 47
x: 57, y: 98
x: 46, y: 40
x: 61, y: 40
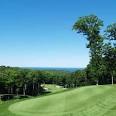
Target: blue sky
x: 39, y: 32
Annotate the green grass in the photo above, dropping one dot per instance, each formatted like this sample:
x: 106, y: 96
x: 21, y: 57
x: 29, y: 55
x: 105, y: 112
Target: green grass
x: 4, y: 108
x: 84, y: 101
x: 5, y: 105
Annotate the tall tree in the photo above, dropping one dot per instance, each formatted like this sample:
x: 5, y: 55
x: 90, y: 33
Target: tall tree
x: 90, y: 27
x: 110, y: 50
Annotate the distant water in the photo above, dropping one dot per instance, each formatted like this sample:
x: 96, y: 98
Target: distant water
x: 54, y: 69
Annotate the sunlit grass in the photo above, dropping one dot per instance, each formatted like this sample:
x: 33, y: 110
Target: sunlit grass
x: 85, y: 101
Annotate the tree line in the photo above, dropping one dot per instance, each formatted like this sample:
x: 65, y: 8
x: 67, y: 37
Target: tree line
x: 21, y: 81
x: 102, y: 48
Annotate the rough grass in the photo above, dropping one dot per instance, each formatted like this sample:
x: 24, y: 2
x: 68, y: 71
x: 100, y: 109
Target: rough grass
x: 84, y: 101
x: 4, y: 108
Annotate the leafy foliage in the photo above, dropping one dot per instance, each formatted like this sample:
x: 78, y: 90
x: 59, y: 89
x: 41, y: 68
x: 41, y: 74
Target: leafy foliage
x: 102, y: 54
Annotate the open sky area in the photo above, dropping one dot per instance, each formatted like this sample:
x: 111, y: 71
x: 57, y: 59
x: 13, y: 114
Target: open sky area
x: 38, y: 33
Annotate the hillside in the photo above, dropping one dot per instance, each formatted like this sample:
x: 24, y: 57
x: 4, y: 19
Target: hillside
x: 84, y: 101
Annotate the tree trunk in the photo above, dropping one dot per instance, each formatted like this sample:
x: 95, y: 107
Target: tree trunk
x: 33, y: 86
x: 17, y: 91
x: 11, y: 90
x: 112, y: 79
x: 24, y: 89
x: 38, y: 88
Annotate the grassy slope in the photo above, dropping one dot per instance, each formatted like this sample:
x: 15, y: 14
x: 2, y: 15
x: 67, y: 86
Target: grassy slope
x: 85, y: 101
x: 4, y: 105
x: 4, y: 108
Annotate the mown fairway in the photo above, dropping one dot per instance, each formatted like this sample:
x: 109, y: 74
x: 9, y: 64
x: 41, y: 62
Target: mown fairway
x: 85, y: 101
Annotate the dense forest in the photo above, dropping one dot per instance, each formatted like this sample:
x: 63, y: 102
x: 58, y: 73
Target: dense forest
x: 20, y: 81
x: 100, y: 70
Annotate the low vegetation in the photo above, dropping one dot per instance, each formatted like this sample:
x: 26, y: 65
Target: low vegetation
x: 85, y: 101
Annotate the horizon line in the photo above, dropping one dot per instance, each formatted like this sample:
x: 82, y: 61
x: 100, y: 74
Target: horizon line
x: 42, y: 66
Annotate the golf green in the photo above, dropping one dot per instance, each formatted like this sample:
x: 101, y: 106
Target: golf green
x: 84, y: 101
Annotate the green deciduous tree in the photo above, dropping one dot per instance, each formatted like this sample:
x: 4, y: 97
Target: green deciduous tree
x: 90, y: 27
x: 110, y: 50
